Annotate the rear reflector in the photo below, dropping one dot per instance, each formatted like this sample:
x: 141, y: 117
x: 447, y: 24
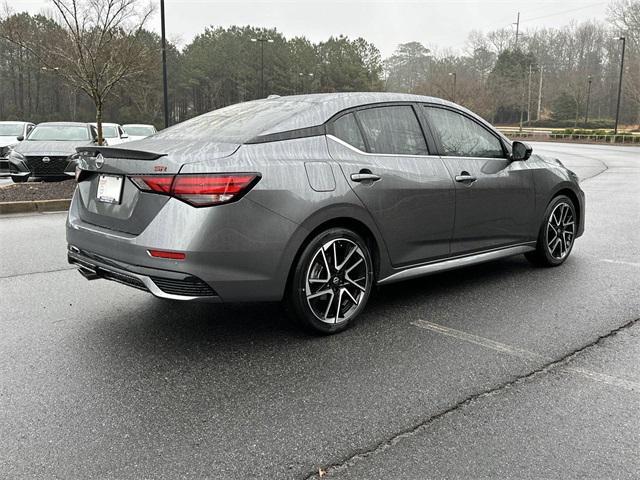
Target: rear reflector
x: 199, y: 190
x: 165, y: 254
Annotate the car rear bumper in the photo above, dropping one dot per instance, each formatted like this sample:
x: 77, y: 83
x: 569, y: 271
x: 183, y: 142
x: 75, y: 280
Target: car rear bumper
x: 241, y: 251
x: 161, y: 283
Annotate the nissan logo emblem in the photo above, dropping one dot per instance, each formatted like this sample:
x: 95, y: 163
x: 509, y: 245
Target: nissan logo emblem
x: 46, y: 159
x: 99, y: 160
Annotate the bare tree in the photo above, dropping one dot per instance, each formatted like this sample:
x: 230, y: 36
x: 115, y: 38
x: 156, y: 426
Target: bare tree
x: 92, y: 44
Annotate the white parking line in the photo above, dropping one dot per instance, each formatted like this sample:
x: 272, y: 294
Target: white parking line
x: 523, y: 354
x: 620, y: 262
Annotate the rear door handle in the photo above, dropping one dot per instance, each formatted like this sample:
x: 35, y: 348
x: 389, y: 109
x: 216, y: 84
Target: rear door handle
x: 465, y: 177
x: 365, y: 177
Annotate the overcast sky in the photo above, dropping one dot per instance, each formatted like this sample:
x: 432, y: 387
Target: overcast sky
x: 442, y: 24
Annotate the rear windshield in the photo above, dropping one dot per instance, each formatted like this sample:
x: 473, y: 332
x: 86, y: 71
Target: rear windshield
x: 59, y: 132
x: 236, y: 123
x: 10, y: 129
x: 139, y: 131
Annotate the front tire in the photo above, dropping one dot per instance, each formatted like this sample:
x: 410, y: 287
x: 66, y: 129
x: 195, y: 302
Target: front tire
x: 19, y: 179
x: 557, y: 234
x: 332, y: 281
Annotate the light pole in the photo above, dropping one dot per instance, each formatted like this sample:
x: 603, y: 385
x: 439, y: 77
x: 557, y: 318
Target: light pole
x: 165, y: 92
x: 615, y: 130
x: 262, y: 41
x: 455, y: 78
x: 586, y: 113
x: 540, y: 93
x: 302, y: 77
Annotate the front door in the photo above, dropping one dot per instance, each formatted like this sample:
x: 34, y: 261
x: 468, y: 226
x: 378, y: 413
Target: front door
x: 494, y: 196
x: 410, y: 194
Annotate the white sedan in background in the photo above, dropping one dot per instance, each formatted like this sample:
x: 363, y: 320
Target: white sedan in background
x: 11, y: 133
x: 138, y: 131
x: 113, y: 133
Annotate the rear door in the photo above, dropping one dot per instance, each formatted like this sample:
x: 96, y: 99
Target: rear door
x: 385, y: 157
x: 494, y: 196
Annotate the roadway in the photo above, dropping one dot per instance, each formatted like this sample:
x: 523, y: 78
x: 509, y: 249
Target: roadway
x: 499, y: 370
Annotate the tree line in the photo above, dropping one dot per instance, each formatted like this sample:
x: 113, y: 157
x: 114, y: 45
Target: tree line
x: 545, y: 76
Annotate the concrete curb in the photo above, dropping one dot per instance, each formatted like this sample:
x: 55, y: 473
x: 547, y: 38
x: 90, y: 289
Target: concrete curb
x: 34, y: 206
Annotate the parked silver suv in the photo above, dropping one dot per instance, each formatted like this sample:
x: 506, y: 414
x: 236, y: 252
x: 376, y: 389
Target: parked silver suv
x: 315, y: 199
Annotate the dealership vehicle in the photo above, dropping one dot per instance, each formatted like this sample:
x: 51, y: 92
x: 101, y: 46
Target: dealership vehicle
x: 11, y: 133
x: 138, y: 131
x: 112, y: 133
x: 47, y: 151
x: 315, y: 199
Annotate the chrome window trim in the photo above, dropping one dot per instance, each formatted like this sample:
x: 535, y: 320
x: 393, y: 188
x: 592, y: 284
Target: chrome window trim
x: 357, y: 150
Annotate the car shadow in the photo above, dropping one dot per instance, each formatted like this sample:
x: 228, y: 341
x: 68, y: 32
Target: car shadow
x: 153, y: 322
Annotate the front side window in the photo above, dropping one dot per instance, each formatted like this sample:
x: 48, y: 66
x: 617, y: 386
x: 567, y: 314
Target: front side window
x: 462, y: 137
x: 346, y: 129
x: 109, y: 131
x: 393, y: 130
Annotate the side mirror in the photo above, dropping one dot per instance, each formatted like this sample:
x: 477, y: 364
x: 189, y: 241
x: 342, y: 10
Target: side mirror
x: 521, y: 151
x: 20, y: 138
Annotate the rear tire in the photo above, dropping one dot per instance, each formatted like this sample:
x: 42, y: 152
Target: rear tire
x: 557, y: 234
x: 331, y: 282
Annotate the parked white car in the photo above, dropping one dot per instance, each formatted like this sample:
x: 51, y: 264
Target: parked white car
x: 113, y: 133
x: 138, y: 131
x: 11, y: 133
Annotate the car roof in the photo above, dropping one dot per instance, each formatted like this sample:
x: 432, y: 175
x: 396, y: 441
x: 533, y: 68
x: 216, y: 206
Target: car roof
x: 65, y: 124
x: 138, y: 125
x: 13, y: 121
x: 323, y: 106
x: 107, y: 124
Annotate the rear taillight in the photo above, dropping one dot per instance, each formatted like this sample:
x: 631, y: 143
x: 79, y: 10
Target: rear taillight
x: 199, y: 190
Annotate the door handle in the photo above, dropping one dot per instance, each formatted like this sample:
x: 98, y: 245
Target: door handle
x: 365, y: 177
x: 465, y: 177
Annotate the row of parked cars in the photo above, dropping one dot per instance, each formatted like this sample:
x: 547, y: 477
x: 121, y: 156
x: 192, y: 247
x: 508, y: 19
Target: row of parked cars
x: 45, y: 150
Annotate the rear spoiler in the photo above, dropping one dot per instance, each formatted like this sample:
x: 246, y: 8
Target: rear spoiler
x: 113, y: 152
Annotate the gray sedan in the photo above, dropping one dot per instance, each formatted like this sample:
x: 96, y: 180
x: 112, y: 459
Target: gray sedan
x: 314, y: 200
x: 48, y: 149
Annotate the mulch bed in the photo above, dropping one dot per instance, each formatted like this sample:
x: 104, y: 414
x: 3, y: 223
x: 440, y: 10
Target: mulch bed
x: 37, y: 191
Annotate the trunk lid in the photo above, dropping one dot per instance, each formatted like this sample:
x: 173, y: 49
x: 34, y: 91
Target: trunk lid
x: 136, y: 209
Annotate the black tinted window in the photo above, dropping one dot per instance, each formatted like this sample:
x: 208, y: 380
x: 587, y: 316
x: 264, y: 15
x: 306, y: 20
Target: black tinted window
x: 393, y: 130
x: 461, y: 136
x: 346, y: 129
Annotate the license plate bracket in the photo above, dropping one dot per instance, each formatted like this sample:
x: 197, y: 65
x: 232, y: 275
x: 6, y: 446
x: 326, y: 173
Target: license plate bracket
x: 110, y: 189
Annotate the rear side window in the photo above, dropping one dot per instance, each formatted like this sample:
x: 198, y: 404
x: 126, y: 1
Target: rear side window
x: 346, y: 129
x: 462, y: 137
x: 393, y: 129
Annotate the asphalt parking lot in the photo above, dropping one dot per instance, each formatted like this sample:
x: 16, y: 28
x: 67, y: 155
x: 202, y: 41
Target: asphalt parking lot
x: 499, y: 370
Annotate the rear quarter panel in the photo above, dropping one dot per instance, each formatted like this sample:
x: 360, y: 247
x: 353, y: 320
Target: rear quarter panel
x: 289, y: 187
